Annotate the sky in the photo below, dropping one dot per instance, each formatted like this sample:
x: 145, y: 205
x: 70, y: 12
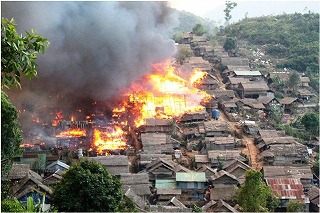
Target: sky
x: 214, y: 9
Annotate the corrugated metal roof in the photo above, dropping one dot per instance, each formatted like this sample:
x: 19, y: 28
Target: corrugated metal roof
x: 286, y: 187
x: 165, y: 184
x: 191, y: 177
x: 248, y: 73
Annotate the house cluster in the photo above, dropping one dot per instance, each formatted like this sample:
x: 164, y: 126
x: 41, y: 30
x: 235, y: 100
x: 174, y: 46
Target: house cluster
x: 197, y: 158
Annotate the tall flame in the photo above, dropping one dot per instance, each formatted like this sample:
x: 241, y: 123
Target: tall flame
x: 163, y: 94
x: 109, y: 139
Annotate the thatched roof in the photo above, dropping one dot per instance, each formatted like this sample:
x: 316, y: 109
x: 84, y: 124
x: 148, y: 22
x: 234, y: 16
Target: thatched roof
x: 216, y: 126
x: 18, y: 171
x: 158, y: 122
x: 175, y: 202
x: 225, y: 155
x: 233, y: 164
x: 287, y: 100
x: 220, y: 140
x: 28, y: 184
x: 305, y: 79
x: 139, y: 183
x: 238, y: 80
x: 222, y: 173
x: 168, y: 191
x: 254, y: 86
x: 302, y: 172
x: 201, y: 159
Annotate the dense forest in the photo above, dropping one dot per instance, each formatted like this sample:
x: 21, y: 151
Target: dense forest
x: 291, y: 38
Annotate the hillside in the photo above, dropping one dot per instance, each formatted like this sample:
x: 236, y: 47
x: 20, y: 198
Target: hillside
x: 188, y: 20
x: 293, y: 39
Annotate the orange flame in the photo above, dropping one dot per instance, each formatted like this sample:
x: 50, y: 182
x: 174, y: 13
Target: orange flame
x: 109, y: 139
x: 197, y: 76
x: 163, y: 94
x: 72, y: 133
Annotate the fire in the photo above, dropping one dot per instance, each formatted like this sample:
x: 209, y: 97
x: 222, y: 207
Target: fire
x: 72, y: 133
x: 197, y: 76
x: 163, y: 94
x: 109, y: 139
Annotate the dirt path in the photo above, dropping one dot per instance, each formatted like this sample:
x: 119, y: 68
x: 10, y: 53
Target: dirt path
x: 250, y: 150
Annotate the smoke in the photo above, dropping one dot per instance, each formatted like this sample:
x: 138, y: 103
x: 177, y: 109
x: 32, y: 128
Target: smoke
x: 96, y: 47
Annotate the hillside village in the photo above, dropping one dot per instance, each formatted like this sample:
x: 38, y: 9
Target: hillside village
x: 201, y: 158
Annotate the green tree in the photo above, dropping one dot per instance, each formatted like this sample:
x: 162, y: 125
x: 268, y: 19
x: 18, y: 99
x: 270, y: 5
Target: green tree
x: 196, y: 208
x: 295, y: 206
x: 10, y: 133
x: 12, y: 206
x: 311, y: 122
x: 254, y: 195
x: 19, y: 53
x: 183, y: 53
x: 198, y: 30
x: 229, y: 6
x: 230, y: 44
x: 315, y: 166
x: 88, y: 187
x: 177, y: 37
x: 294, y: 80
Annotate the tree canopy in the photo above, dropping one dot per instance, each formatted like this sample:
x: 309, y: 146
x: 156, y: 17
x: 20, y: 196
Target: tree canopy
x: 10, y: 133
x: 311, y: 122
x: 19, y: 53
x: 295, y: 206
x: 294, y: 80
x: 293, y: 38
x: 229, y: 6
x: 255, y: 195
x: 88, y: 187
x: 198, y: 30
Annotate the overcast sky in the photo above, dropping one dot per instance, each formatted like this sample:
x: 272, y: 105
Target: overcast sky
x: 214, y: 9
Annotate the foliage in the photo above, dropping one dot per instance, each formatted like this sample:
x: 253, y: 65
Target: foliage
x: 198, y: 30
x: 294, y: 37
x: 294, y: 80
x: 315, y: 166
x: 196, y: 208
x: 295, y: 206
x: 275, y: 113
x: 5, y: 187
x: 230, y: 44
x: 183, y: 53
x: 311, y: 122
x: 10, y: 133
x: 229, y: 6
x: 188, y: 20
x: 177, y: 37
x: 220, y: 165
x: 289, y: 130
x: 12, y: 206
x: 19, y: 53
x: 127, y: 205
x: 15, y: 206
x: 255, y: 195
x: 88, y: 187
x: 277, y: 83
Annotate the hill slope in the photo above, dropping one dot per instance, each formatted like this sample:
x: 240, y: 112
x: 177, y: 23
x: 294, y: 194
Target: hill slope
x: 294, y: 38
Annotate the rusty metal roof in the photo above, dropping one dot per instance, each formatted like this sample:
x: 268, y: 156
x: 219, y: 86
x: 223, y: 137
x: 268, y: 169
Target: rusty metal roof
x: 286, y: 188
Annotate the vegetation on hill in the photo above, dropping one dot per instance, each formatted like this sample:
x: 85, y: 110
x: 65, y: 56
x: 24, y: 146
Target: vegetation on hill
x: 188, y: 20
x: 293, y: 38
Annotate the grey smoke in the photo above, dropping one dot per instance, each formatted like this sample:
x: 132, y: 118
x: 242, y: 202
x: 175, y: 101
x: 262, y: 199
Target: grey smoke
x: 96, y: 48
